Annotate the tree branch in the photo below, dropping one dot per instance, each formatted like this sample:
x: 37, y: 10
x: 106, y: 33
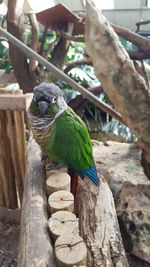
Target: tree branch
x: 143, y: 22
x: 139, y: 55
x: 14, y: 12
x: 75, y: 63
x: 4, y: 59
x: 126, y: 89
x: 142, y: 42
x: 59, y: 53
x: 88, y: 95
x: 15, y: 27
x: 43, y: 40
x: 51, y: 47
x: 96, y: 90
x: 70, y: 37
x: 35, y: 39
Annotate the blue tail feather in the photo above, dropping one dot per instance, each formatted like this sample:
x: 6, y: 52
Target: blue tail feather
x: 91, y: 173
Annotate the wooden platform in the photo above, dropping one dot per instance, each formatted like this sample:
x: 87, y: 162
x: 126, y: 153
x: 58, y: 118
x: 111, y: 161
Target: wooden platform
x: 59, y: 14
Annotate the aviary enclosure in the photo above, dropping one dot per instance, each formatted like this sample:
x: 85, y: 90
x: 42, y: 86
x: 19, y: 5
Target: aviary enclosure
x: 58, y: 229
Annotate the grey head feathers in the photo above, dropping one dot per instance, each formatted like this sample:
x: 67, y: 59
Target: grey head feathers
x: 46, y: 95
x: 46, y: 91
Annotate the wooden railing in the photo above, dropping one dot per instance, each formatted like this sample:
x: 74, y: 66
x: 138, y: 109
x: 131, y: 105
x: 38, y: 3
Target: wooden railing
x: 12, y: 147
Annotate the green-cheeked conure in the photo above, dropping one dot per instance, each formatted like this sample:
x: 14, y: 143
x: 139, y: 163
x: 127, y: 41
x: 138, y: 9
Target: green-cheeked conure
x: 60, y: 132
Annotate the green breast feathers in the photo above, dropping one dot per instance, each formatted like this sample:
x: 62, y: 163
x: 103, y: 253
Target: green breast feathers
x: 70, y: 141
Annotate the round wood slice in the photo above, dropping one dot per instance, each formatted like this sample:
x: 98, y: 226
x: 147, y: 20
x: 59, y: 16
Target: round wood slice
x: 61, y: 200
x: 62, y: 223
x: 48, y: 173
x: 58, y: 181
x: 70, y: 250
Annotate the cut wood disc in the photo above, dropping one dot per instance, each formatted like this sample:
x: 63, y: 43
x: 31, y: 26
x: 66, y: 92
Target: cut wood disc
x: 58, y: 181
x: 62, y: 223
x: 61, y: 200
x: 62, y: 169
x: 70, y: 250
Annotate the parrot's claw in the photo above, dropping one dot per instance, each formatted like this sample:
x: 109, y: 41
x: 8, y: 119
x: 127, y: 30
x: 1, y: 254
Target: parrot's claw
x: 44, y: 159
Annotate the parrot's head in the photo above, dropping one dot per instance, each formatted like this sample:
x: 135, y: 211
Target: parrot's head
x: 47, y: 100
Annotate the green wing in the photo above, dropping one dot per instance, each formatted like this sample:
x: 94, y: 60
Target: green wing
x: 70, y: 141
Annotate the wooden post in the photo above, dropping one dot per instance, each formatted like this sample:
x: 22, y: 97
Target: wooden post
x: 35, y: 245
x: 7, y: 172
x: 98, y: 225
x: 12, y: 147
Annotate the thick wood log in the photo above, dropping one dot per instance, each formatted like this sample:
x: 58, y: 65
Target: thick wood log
x: 127, y: 90
x: 98, y: 225
x: 35, y: 246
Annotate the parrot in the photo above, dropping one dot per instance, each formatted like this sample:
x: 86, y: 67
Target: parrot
x: 60, y: 132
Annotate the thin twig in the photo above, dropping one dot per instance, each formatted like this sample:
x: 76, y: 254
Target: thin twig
x: 71, y: 37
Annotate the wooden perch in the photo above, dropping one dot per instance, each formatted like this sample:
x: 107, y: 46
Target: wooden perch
x: 63, y: 222
x: 70, y: 250
x: 61, y: 200
x: 58, y: 181
x: 98, y: 225
x: 35, y: 247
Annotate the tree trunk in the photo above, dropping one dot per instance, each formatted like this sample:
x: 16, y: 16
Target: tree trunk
x: 126, y: 89
x: 27, y: 80
x: 99, y: 226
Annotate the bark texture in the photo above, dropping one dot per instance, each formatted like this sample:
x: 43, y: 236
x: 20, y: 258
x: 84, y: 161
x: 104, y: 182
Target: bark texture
x: 26, y: 79
x: 35, y: 245
x: 126, y: 89
x: 99, y: 226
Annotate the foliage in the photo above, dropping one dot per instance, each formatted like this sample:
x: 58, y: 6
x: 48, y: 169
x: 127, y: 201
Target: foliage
x: 76, y: 51
x: 117, y: 128
x: 95, y: 119
x: 4, y: 55
x: 128, y: 45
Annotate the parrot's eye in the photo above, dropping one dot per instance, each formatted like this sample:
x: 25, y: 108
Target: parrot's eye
x: 54, y: 100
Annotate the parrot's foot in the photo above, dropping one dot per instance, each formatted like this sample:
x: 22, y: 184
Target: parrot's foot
x: 53, y: 167
x: 44, y: 159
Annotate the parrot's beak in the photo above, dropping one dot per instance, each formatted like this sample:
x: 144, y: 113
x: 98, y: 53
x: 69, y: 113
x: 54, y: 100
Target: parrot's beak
x: 43, y: 106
